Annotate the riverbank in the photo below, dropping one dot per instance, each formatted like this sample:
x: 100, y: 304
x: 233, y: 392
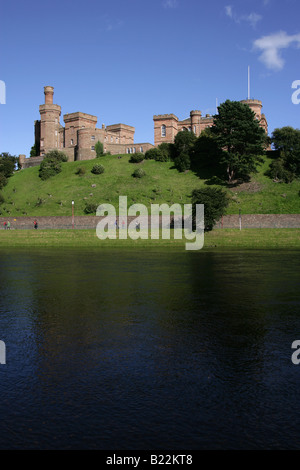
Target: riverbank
x: 223, y: 238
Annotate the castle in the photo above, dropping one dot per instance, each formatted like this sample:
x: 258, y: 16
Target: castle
x: 79, y: 136
x: 166, y: 126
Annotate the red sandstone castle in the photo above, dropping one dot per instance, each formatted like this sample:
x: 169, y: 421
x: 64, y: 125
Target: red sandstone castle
x: 79, y: 136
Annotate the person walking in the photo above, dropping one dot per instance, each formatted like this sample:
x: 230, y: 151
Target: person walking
x: 8, y: 225
x: 5, y: 225
x: 35, y: 224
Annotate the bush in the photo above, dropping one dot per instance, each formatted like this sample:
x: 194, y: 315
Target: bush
x: 3, y: 181
x: 90, y: 208
x: 152, y: 154
x: 98, y: 169
x: 80, y: 171
x: 183, y: 162
x: 136, y: 158
x: 138, y: 173
x: 51, y: 165
x: 215, y: 201
x: 99, y: 149
x: 166, y: 152
x: 2, y: 200
x: 277, y: 171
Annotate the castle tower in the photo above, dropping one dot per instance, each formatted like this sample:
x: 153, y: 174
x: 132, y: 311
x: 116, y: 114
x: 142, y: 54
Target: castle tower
x: 49, y: 127
x: 195, y: 122
x: 165, y: 128
x: 256, y: 106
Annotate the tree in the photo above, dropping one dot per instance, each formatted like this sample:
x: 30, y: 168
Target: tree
x: 286, y: 142
x: 35, y: 150
x: 215, y: 201
x: 242, y: 139
x: 99, y: 149
x: 7, y: 164
x: 206, y: 151
x: 183, y: 146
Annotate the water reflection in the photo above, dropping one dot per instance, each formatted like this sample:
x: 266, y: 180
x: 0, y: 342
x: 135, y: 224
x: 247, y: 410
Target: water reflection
x: 149, y: 350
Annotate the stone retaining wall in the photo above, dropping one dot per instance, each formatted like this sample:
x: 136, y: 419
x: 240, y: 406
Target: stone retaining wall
x: 90, y: 222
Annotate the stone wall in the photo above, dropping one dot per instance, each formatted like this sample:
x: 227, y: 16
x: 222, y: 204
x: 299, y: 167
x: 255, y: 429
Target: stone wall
x: 90, y: 222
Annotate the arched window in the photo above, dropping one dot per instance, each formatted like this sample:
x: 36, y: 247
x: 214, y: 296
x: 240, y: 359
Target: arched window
x: 141, y: 149
x: 163, y: 130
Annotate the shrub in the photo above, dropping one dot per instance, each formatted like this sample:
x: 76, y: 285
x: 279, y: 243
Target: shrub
x: 98, y: 169
x: 138, y: 173
x: 182, y: 162
x: 90, y: 208
x: 152, y: 154
x: 278, y: 171
x: 165, y: 152
x: 51, y: 165
x: 136, y: 158
x: 2, y: 200
x: 99, y: 149
x: 215, y: 201
x: 80, y: 171
x: 3, y: 180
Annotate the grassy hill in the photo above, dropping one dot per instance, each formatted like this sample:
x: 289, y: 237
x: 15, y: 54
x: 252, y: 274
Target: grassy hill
x: 27, y: 195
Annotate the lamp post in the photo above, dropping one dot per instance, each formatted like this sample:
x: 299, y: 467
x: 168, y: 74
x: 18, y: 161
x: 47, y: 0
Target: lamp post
x: 240, y: 217
x: 72, y: 214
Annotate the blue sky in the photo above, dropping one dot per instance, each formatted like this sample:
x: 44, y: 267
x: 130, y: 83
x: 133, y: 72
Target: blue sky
x: 125, y: 61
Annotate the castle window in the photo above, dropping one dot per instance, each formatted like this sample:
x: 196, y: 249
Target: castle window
x: 194, y: 129
x: 72, y: 142
x: 163, y: 130
x: 131, y: 150
x: 141, y: 149
x: 93, y: 147
x: 92, y: 137
x: 128, y: 151
x: 111, y: 139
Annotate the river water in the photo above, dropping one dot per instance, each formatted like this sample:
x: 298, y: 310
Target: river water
x: 149, y: 350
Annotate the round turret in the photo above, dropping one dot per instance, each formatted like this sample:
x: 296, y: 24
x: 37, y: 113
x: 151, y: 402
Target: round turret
x: 48, y: 90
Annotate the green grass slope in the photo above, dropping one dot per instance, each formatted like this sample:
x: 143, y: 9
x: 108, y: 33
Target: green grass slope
x: 27, y: 195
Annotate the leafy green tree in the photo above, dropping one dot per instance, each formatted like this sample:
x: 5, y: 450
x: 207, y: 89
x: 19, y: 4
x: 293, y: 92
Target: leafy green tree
x: 206, y: 151
x: 286, y: 142
x: 8, y: 164
x: 35, y: 150
x: 215, y: 201
x: 99, y: 149
x: 243, y: 140
x: 183, y: 147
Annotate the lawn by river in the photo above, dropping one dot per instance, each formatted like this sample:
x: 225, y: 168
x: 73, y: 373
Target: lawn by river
x: 222, y: 238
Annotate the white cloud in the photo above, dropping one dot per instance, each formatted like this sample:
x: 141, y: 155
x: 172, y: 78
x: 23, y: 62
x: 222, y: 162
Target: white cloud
x: 252, y: 18
x: 270, y: 47
x: 170, y: 3
x: 228, y: 10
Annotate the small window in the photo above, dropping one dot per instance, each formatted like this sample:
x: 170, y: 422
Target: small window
x: 93, y: 147
x: 133, y: 149
x: 163, y: 130
x: 92, y: 137
x: 111, y: 139
x: 141, y: 149
x: 72, y: 142
x: 194, y: 129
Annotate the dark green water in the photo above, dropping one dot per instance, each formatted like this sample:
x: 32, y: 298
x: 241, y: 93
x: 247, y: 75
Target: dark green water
x: 116, y: 350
